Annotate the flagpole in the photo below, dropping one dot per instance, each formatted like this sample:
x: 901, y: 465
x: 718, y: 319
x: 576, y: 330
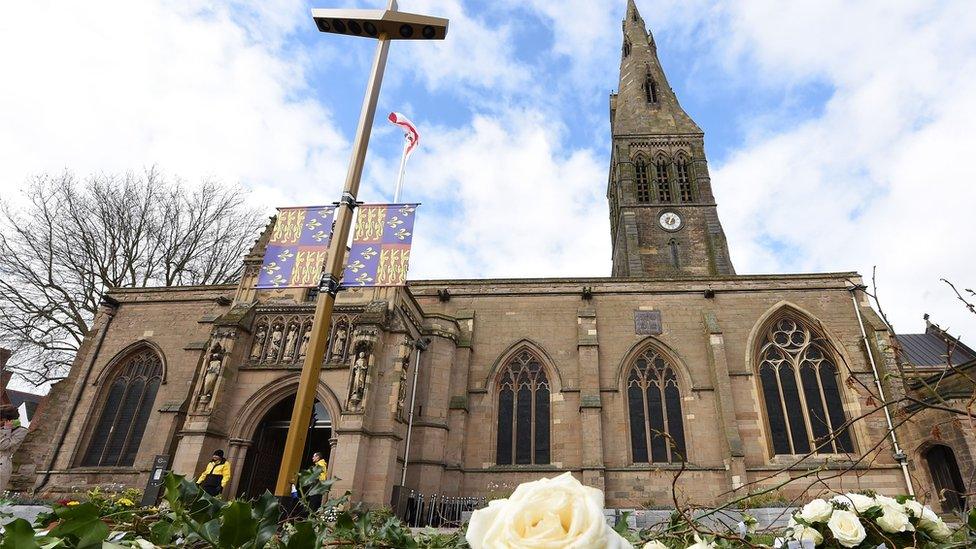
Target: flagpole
x: 403, y: 166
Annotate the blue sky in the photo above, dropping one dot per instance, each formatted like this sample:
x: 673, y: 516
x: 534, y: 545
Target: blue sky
x: 838, y: 133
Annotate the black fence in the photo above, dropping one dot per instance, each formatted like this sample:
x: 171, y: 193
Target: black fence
x: 438, y: 511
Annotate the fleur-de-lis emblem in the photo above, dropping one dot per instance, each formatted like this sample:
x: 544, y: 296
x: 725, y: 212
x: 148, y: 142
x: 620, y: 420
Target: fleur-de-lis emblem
x: 313, y: 224
x: 271, y: 268
x: 368, y: 253
x: 402, y: 234
x: 363, y: 279
x: 320, y: 236
x: 278, y: 281
x: 355, y: 266
x: 285, y: 255
x: 326, y: 213
x: 407, y: 210
x: 394, y: 222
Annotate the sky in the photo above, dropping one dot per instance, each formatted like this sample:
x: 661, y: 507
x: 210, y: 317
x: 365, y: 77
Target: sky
x: 838, y: 133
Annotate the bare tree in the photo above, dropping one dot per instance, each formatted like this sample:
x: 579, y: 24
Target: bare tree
x: 70, y: 241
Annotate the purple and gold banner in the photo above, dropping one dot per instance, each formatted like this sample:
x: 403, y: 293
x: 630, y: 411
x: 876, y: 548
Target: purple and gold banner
x: 380, y: 252
x: 298, y: 247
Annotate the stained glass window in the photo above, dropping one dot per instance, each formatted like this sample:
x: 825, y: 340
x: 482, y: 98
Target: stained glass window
x: 800, y: 387
x: 125, y: 412
x: 523, y: 413
x: 654, y: 403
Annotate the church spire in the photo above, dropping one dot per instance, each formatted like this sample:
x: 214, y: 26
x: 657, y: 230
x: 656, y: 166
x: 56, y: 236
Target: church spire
x: 645, y: 103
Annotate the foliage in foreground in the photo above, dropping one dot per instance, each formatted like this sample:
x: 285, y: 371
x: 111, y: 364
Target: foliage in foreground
x: 188, y: 517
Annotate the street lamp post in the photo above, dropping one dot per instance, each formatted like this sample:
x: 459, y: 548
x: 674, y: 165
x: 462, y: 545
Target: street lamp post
x: 383, y: 25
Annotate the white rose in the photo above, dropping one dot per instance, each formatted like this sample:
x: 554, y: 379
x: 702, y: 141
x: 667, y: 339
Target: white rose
x: 846, y: 528
x: 858, y: 502
x: 545, y: 514
x: 914, y: 508
x: 655, y: 545
x: 894, y: 516
x: 805, y: 533
x: 935, y: 526
x: 701, y: 544
x: 817, y: 510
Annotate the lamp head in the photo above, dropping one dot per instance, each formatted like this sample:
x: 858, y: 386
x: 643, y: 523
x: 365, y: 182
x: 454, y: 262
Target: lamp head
x: 393, y: 25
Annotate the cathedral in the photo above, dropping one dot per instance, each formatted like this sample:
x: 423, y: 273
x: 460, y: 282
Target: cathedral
x: 674, y: 366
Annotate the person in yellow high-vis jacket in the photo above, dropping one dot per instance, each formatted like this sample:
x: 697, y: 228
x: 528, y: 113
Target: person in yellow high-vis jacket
x: 318, y: 461
x: 215, y: 475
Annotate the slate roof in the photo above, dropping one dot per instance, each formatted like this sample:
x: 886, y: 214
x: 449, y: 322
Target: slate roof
x: 19, y: 397
x: 929, y: 350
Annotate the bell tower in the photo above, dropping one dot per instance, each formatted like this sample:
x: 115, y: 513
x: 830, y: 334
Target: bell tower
x: 663, y: 216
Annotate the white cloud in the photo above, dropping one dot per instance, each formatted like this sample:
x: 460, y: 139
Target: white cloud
x: 113, y: 86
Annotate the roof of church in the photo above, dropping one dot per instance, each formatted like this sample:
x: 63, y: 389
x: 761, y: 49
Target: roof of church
x: 933, y: 348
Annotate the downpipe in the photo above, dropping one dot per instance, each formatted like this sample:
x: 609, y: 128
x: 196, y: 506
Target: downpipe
x: 420, y: 345
x: 899, y: 455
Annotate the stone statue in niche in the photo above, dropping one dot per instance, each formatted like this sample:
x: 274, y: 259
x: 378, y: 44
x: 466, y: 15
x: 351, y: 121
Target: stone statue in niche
x: 212, y: 373
x: 404, y: 358
x: 290, y: 341
x: 258, y: 345
x: 274, y: 345
x: 359, y: 373
x: 303, y: 347
x: 338, y: 344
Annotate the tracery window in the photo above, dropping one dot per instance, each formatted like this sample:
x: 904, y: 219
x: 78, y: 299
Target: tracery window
x: 523, y: 413
x: 661, y: 180
x: 683, y: 173
x: 650, y: 88
x: 800, y: 386
x: 643, y: 186
x: 654, y: 404
x: 125, y: 412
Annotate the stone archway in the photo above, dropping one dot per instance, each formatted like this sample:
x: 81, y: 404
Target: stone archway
x: 946, y: 477
x: 267, y: 444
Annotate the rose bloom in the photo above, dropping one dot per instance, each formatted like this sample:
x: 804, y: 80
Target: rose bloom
x: 701, y: 544
x: 857, y: 502
x: 846, y: 528
x: 894, y: 516
x: 805, y: 533
x: 935, y: 526
x: 655, y: 545
x: 914, y: 508
x: 545, y: 514
x: 817, y: 510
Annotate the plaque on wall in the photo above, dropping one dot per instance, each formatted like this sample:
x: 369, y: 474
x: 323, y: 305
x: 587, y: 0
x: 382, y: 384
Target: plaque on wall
x: 647, y: 323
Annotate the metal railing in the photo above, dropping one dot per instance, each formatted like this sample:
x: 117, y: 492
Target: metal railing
x: 439, y: 511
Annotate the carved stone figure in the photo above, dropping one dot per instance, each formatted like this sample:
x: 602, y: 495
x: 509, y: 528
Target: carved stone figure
x: 303, y: 348
x: 338, y: 345
x: 402, y: 393
x: 275, y: 344
x: 259, y: 338
x: 359, y: 371
x: 212, y: 373
x: 290, y: 341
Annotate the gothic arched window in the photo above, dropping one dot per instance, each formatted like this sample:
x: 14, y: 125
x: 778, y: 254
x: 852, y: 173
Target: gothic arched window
x: 626, y: 48
x: 654, y: 406
x: 683, y: 175
x: 650, y: 88
x: 801, y: 390
x: 523, y: 412
x: 661, y: 180
x: 125, y: 411
x: 675, y: 253
x: 643, y: 186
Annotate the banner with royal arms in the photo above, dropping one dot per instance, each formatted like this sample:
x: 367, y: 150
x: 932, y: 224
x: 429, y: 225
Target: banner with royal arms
x: 380, y: 252
x: 298, y: 247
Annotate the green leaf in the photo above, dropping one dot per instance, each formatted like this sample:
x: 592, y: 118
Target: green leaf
x: 303, y: 537
x: 18, y: 535
x: 161, y: 533
x: 972, y: 521
x: 81, y: 523
x: 621, y: 525
x: 238, y: 526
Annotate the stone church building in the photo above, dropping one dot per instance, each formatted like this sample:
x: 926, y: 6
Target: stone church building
x: 674, y: 363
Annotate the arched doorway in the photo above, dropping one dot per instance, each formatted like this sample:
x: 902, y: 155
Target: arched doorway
x: 263, y: 459
x: 946, y: 477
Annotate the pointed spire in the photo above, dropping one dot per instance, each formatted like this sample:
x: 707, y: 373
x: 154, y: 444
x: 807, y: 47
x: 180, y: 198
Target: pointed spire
x: 645, y: 102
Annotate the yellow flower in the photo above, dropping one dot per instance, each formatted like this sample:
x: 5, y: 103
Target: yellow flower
x: 125, y: 502
x: 72, y: 503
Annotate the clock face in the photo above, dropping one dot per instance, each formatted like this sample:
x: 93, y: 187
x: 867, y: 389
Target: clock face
x: 670, y: 221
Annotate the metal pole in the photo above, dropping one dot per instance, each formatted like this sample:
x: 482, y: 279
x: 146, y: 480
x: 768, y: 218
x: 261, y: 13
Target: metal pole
x: 305, y: 398
x: 421, y: 345
x: 900, y: 456
x: 403, y: 165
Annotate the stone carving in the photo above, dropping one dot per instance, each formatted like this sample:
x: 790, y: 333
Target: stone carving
x: 303, y: 347
x: 258, y: 345
x: 291, y: 340
x: 212, y: 373
x: 338, y: 344
x: 360, y: 370
x: 274, y: 345
x: 404, y: 359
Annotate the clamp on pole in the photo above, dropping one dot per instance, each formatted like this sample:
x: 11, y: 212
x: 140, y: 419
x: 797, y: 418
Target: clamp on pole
x: 348, y: 200
x: 329, y: 284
